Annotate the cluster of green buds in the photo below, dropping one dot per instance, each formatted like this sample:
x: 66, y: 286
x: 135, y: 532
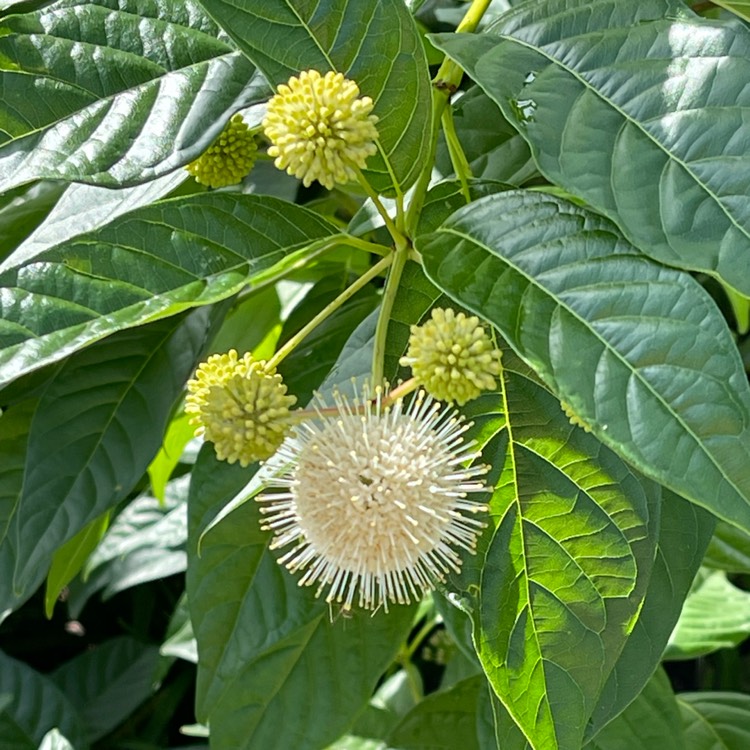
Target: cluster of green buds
x: 452, y: 357
x: 229, y: 159
x: 241, y: 406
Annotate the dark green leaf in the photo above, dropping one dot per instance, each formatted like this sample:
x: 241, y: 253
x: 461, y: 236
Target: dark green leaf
x: 651, y: 721
x: 37, y: 706
x: 15, y: 424
x: 493, y: 147
x: 715, y: 721
x: 375, y: 44
x: 640, y: 352
x: 22, y: 210
x: 683, y: 535
x: 263, y: 641
x: 625, y: 106
x: 313, y: 359
x: 80, y: 208
x: 150, y: 263
x: 114, y: 91
x: 108, y: 682
x: 97, y: 427
x: 443, y: 721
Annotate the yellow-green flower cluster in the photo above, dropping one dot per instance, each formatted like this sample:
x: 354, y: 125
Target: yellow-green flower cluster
x: 573, y: 418
x: 452, y: 357
x: 241, y: 406
x: 320, y: 128
x: 229, y: 159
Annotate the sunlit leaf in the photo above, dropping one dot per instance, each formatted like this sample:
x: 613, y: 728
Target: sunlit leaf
x: 625, y: 105
x: 639, y: 352
x: 153, y: 262
x: 114, y: 92
x: 715, y: 615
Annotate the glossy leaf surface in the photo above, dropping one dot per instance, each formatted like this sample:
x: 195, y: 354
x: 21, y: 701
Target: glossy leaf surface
x: 150, y: 263
x: 627, y: 106
x: 98, y: 424
x: 570, y: 562
x: 114, y: 92
x: 639, y: 352
x: 715, y: 721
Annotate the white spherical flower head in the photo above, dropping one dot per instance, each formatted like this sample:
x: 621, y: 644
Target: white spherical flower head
x: 376, y: 500
x: 320, y: 128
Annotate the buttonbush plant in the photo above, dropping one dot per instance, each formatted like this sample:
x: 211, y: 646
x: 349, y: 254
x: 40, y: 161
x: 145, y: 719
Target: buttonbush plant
x: 472, y: 281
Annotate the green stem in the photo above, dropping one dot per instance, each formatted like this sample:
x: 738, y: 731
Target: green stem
x: 443, y: 85
x: 331, y: 307
x: 368, y: 247
x: 400, y: 256
x: 458, y: 158
x: 373, y: 196
x: 420, y: 636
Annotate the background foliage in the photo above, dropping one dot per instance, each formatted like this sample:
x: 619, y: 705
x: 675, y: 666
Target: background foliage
x: 583, y: 190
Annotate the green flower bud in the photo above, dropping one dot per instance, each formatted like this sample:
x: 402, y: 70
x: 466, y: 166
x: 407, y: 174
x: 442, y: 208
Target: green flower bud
x: 452, y: 357
x: 229, y: 159
x: 240, y: 406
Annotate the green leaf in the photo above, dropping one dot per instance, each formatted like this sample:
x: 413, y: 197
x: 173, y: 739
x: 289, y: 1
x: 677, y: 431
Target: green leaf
x: 684, y: 533
x: 715, y: 615
x: 568, y: 567
x: 146, y: 523
x: 76, y: 209
x: 108, y: 682
x: 22, y: 210
x: 263, y: 641
x: 729, y: 549
x: 15, y: 424
x: 640, y: 352
x: 97, y: 427
x: 37, y: 706
x: 150, y: 263
x: 442, y: 721
x: 70, y: 558
x: 375, y: 44
x: 180, y: 641
x: 740, y: 8
x: 178, y: 435
x: 114, y: 92
x: 715, y: 721
x: 314, y: 357
x: 651, y: 721
x: 623, y: 105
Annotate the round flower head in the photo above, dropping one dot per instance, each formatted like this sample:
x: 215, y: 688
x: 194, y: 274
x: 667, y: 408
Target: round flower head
x: 240, y: 406
x: 320, y: 128
x: 452, y: 357
x: 229, y: 159
x: 375, y: 501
